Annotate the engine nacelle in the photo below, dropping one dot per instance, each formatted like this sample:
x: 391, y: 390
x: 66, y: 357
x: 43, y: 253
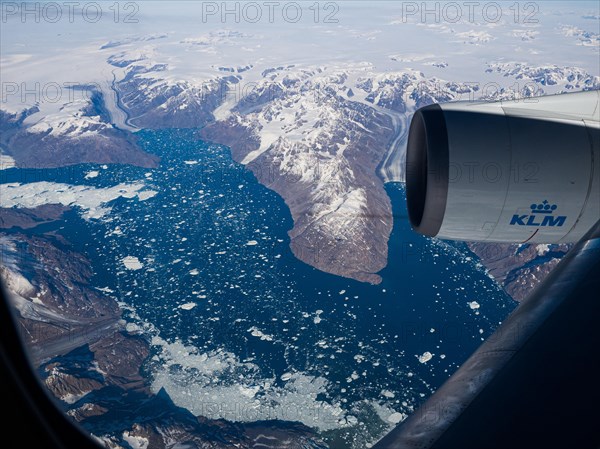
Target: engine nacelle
x: 510, y: 171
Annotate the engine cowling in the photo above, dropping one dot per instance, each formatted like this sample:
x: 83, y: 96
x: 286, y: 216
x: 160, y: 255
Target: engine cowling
x: 511, y: 171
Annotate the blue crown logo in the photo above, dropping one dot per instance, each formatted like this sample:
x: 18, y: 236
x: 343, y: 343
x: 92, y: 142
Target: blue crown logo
x: 543, y: 208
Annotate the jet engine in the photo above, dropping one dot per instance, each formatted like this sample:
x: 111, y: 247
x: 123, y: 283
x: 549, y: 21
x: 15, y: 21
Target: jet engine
x: 511, y: 171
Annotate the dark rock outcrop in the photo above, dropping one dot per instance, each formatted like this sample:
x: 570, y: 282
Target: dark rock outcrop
x: 519, y: 268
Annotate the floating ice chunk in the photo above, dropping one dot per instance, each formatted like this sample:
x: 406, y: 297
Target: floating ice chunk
x: 249, y: 392
x: 132, y: 263
x: 188, y: 306
x: 92, y: 174
x: 474, y: 305
x: 395, y: 418
x: 146, y: 194
x: 426, y: 357
x: 255, y: 332
x: 388, y: 394
x: 286, y: 376
x: 317, y: 319
x: 190, y: 162
x: 351, y: 420
x: 252, y: 243
x: 194, y: 272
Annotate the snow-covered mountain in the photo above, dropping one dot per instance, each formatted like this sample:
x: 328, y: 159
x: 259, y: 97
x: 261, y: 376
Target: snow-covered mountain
x: 325, y: 137
x: 564, y: 78
x: 320, y: 138
x: 78, y: 131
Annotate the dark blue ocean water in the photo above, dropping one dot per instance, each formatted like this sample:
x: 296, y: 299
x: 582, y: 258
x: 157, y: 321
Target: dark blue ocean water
x: 214, y: 241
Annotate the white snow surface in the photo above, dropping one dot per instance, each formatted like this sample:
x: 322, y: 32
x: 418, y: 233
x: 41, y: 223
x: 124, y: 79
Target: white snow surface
x: 135, y: 441
x: 6, y: 162
x: 69, y: 119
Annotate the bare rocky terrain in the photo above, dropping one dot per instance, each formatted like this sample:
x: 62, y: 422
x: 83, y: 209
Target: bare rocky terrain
x: 30, y: 218
x: 519, y: 268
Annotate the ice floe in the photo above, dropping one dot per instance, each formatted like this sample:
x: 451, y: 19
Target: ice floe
x: 132, y: 263
x: 91, y: 200
x: 425, y: 357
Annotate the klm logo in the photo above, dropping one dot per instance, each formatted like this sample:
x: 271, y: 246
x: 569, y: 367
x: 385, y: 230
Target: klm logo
x: 541, y: 215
